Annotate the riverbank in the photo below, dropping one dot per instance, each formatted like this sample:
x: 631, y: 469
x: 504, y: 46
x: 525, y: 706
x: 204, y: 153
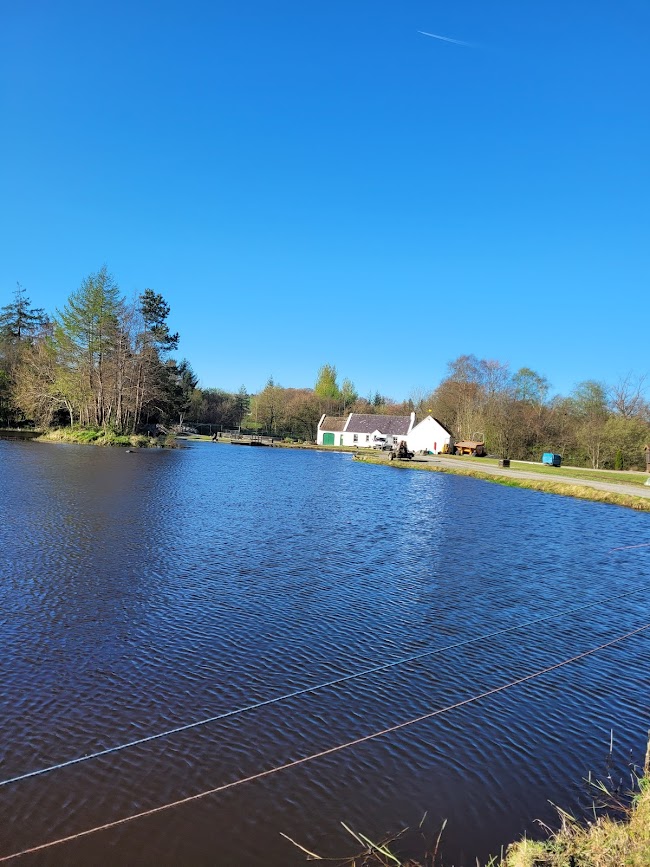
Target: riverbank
x: 605, y: 842
x: 586, y: 490
x: 602, y: 842
x: 92, y: 436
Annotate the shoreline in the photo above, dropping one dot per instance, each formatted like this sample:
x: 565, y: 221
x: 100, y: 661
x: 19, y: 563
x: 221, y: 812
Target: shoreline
x: 574, y: 488
x: 565, y: 489
x: 103, y: 439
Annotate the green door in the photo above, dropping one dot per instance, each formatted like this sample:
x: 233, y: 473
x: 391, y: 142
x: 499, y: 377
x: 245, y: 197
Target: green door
x: 328, y: 439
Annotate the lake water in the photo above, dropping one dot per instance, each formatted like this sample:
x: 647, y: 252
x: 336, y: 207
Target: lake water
x: 146, y: 590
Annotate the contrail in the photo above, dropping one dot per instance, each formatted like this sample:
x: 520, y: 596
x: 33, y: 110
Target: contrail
x: 445, y: 38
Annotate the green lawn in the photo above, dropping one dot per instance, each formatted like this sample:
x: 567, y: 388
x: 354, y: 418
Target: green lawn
x: 629, y: 478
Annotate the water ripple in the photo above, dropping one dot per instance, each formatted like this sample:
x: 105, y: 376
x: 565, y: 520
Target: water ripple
x: 143, y: 591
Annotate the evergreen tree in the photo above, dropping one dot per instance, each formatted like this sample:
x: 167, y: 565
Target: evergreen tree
x: 153, y: 343
x: 242, y: 404
x: 20, y: 321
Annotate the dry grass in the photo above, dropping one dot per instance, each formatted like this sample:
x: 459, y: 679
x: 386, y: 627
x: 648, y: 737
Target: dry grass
x: 605, y: 842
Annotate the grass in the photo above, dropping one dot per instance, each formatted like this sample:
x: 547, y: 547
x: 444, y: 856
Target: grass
x: 565, y: 489
x: 100, y: 437
x: 604, y: 841
x: 628, y: 477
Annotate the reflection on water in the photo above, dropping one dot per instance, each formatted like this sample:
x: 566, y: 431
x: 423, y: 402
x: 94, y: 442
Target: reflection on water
x: 140, y: 591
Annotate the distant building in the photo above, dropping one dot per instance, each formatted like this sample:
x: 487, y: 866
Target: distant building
x: 365, y: 430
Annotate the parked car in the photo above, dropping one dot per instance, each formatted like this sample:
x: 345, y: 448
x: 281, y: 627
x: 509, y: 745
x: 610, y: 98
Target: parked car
x: 380, y: 443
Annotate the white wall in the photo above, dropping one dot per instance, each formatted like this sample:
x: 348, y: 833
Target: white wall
x: 362, y: 440
x: 428, y: 435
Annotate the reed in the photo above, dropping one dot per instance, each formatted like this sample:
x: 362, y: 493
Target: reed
x: 617, y: 836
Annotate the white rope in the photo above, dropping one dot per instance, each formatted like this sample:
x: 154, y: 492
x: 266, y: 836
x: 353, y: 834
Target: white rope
x: 309, y: 689
x: 327, y: 752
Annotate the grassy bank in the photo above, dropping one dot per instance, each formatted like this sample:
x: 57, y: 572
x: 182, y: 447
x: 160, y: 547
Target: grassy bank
x: 604, y: 842
x: 601, y: 841
x: 95, y: 437
x: 624, y: 477
x: 546, y: 486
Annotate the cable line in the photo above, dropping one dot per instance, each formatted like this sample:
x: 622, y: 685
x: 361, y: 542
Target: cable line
x: 308, y: 689
x: 328, y: 752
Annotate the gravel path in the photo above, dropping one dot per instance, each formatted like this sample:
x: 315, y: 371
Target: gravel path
x: 614, y: 487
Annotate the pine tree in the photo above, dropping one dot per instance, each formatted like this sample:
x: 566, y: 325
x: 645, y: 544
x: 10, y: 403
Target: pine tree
x: 20, y: 321
x: 242, y: 403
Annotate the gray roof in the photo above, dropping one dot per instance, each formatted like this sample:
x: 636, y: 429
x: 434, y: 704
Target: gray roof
x: 333, y: 423
x: 390, y: 425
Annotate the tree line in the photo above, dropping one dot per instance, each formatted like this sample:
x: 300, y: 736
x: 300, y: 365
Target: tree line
x: 596, y: 425
x: 101, y: 361
x: 513, y: 412
x: 104, y: 361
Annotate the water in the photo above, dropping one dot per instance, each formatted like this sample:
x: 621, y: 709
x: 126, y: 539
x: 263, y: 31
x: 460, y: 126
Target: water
x: 141, y: 591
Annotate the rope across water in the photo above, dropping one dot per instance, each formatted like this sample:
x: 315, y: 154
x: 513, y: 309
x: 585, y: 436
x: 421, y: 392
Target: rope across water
x: 322, y: 753
x: 312, y: 689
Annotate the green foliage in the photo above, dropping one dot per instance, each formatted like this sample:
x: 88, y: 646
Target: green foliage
x: 87, y: 435
x: 326, y: 387
x: 19, y: 321
x: 155, y: 310
x: 530, y: 386
x: 103, y: 364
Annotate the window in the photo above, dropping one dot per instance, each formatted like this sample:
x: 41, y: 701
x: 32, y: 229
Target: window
x: 394, y: 441
x: 367, y: 438
x: 355, y: 438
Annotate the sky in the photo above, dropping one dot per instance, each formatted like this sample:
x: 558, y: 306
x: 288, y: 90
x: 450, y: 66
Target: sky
x: 319, y: 182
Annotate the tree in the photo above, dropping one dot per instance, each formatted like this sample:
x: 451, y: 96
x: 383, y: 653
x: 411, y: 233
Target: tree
x: 623, y: 442
x: 242, y: 404
x: 181, y: 383
x: 589, y: 400
x: 348, y: 395
x: 326, y: 388
x: 156, y: 333
x: 530, y: 387
x: 154, y: 342
x: 268, y: 406
x: 301, y: 413
x: 86, y: 333
x: 627, y: 397
x: 20, y: 324
x: 19, y: 321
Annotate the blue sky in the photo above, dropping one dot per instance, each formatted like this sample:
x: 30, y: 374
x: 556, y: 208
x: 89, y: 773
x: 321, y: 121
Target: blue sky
x: 311, y: 182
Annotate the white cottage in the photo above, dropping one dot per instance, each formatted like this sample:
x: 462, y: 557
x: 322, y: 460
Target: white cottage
x: 430, y: 435
x: 363, y: 430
